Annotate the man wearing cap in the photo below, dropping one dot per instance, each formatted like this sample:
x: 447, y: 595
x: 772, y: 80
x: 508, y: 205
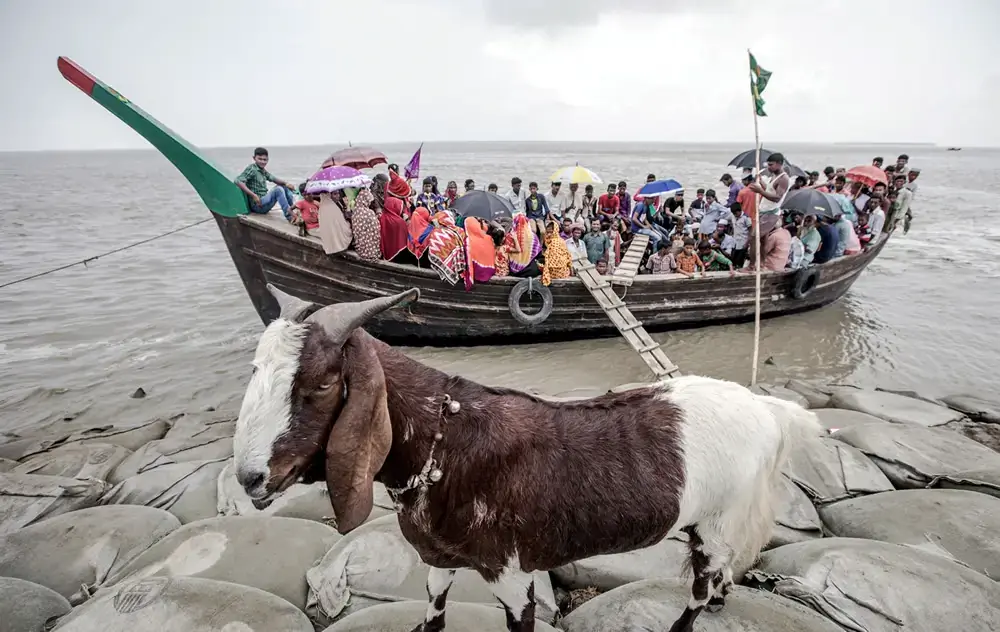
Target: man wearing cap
x: 734, y: 188
x: 516, y: 195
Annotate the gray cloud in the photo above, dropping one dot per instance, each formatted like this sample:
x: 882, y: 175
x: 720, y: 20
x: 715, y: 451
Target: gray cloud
x: 557, y: 14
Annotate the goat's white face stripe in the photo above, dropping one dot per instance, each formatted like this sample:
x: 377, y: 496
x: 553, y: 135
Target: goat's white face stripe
x: 266, y: 411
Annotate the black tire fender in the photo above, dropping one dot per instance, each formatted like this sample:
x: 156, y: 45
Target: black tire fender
x: 532, y: 285
x: 805, y: 282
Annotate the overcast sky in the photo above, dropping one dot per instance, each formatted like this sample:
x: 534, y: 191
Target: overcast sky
x: 239, y: 73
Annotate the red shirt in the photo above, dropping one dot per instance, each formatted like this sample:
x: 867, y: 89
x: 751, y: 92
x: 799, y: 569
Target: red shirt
x: 608, y: 204
x: 748, y: 202
x: 309, y: 213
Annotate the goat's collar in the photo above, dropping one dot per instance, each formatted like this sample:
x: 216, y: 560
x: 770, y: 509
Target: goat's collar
x: 431, y: 471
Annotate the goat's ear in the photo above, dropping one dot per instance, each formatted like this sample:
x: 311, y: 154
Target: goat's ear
x: 361, y: 435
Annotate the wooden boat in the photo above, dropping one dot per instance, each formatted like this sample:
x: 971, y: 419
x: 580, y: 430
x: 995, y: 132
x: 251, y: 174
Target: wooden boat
x: 266, y: 249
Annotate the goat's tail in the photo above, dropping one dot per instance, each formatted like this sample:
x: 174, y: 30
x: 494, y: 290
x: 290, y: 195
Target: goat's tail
x: 755, y: 521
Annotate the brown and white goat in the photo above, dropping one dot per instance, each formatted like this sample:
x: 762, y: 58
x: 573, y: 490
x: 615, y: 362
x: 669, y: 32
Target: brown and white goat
x: 503, y: 482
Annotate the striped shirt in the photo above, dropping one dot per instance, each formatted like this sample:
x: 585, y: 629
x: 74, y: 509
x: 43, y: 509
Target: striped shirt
x: 256, y: 179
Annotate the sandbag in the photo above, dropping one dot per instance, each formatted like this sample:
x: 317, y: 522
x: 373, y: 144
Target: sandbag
x: 82, y: 548
x: 894, y: 407
x: 27, y: 607
x: 187, y: 490
x: 272, y: 554
x: 960, y: 525
x: 828, y: 470
x: 310, y: 502
x: 837, y: 418
x: 404, y: 616
x: 128, y: 436
x: 76, y: 460
x: 667, y: 559
x: 816, y: 395
x: 976, y: 407
x: 185, y: 604
x: 982, y: 481
x: 796, y: 519
x: 206, y: 424
x: 204, y: 447
x: 656, y: 604
x: 871, y: 586
x: 912, y: 456
x: 7, y: 465
x: 29, y: 498
x: 374, y: 564
x: 780, y: 392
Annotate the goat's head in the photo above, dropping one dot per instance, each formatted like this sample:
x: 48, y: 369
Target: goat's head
x: 316, y: 402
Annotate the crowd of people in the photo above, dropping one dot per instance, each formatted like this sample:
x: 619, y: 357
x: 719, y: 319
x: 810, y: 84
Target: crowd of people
x: 714, y: 231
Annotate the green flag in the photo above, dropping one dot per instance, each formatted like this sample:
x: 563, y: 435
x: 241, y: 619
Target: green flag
x: 758, y: 81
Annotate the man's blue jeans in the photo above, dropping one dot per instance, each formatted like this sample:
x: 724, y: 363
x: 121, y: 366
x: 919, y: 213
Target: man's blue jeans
x: 654, y: 237
x: 281, y: 195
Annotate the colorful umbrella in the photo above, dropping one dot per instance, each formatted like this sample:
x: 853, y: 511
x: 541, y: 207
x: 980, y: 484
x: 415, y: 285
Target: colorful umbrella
x: 658, y: 188
x: 575, y: 175
x: 336, y: 178
x: 867, y: 174
x: 356, y: 157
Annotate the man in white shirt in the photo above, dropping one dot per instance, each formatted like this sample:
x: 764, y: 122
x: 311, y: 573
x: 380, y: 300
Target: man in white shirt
x: 577, y: 247
x: 574, y: 201
x: 516, y: 195
x: 876, y: 222
x: 556, y: 201
x: 903, y: 198
x: 741, y: 235
x: 911, y: 180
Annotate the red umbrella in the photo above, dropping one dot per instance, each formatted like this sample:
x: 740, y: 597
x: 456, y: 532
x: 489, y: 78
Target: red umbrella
x: 356, y: 158
x: 867, y: 174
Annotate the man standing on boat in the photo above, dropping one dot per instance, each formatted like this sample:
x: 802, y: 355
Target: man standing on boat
x: 734, y: 189
x: 253, y: 182
x: 516, y: 195
x: 772, y: 186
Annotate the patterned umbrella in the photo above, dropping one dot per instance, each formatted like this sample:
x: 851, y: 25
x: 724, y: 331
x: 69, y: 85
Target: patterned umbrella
x: 356, y: 157
x: 575, y: 175
x: 336, y: 178
x: 867, y: 174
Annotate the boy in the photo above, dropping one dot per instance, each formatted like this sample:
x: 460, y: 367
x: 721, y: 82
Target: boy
x: 537, y: 209
x: 253, y: 182
x: 713, y: 260
x: 688, y: 261
x: 663, y: 262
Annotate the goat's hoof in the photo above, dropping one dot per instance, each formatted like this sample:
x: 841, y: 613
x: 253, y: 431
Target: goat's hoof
x: 715, y: 604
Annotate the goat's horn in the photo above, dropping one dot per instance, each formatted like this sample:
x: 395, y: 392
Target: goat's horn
x: 341, y: 319
x: 291, y: 307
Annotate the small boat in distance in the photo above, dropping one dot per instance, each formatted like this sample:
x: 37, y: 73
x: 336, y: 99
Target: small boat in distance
x: 267, y: 249
x: 954, y: 149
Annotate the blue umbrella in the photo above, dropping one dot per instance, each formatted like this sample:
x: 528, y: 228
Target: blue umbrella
x: 659, y: 187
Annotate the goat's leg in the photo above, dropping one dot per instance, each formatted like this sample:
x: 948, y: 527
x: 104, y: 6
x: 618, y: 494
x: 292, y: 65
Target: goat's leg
x: 438, y: 582
x: 515, y: 590
x: 709, y: 555
x: 723, y: 584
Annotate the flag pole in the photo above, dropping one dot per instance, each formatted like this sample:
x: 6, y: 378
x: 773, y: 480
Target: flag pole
x: 757, y: 244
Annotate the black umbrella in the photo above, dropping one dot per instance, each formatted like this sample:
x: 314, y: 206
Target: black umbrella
x: 811, y: 202
x: 484, y: 205
x: 748, y: 159
x: 794, y: 171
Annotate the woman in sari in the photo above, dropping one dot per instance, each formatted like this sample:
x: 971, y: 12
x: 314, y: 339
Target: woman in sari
x: 505, y: 243
x: 334, y: 229
x: 392, y: 219
x: 480, y: 253
x: 419, y: 232
x: 523, y: 247
x: 365, y: 224
x: 446, y: 247
x: 558, y: 263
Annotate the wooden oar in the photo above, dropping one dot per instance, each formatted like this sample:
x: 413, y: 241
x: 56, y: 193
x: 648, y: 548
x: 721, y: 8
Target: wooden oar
x: 216, y: 189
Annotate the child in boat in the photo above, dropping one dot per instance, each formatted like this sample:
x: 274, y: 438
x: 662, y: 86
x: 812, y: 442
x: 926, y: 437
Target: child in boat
x: 306, y: 210
x: 713, y: 260
x: 663, y: 262
x: 253, y: 182
x: 688, y: 261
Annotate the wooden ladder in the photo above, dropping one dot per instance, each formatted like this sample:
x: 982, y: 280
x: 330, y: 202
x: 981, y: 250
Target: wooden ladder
x: 629, y: 266
x: 633, y: 331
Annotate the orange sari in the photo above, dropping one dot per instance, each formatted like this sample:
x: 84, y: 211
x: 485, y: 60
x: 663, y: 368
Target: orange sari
x: 480, y: 253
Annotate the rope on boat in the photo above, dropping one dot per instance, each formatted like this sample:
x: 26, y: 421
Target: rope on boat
x: 103, y: 254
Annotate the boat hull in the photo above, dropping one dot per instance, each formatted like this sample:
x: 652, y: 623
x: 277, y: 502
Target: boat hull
x: 266, y: 250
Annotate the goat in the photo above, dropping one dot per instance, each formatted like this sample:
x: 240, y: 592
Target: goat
x: 502, y: 482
